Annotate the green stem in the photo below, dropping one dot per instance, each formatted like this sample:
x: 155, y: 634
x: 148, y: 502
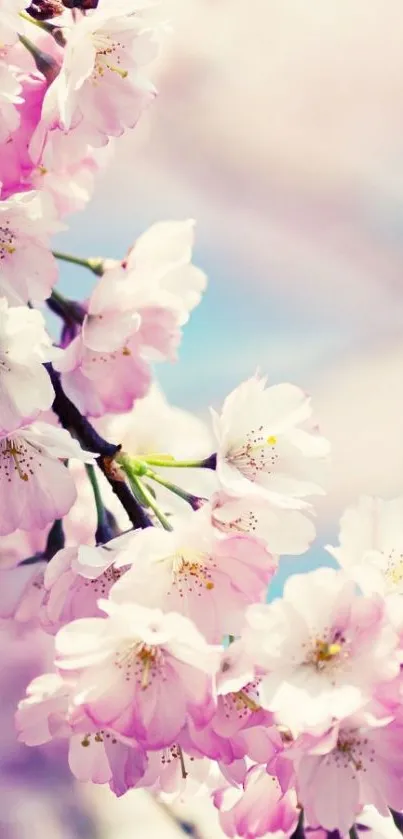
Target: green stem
x: 187, y: 496
x: 353, y: 833
x: 41, y: 24
x: 149, y: 501
x: 101, y: 516
x: 131, y: 469
x: 172, y: 463
x: 94, y: 265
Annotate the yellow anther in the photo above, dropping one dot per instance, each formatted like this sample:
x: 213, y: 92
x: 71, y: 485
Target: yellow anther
x: 272, y: 440
x: 325, y: 652
x: 122, y: 73
x: 11, y: 449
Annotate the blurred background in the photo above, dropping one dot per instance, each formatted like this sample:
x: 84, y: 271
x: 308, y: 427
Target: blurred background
x: 279, y: 128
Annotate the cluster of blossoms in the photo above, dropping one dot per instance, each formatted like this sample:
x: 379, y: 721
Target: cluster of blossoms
x: 141, y: 543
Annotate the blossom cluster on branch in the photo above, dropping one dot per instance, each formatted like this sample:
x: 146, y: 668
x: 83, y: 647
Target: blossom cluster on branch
x: 143, y: 543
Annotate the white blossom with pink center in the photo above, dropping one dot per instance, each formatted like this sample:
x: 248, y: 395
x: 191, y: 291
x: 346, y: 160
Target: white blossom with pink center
x: 324, y: 648
x: 47, y: 713
x: 35, y: 486
x: 139, y: 672
x: 100, y: 91
x: 192, y: 572
x: 357, y: 762
x: 263, y: 444
x: 135, y: 314
x: 157, y: 274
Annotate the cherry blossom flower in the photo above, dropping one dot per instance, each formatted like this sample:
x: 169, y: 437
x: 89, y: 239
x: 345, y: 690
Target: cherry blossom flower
x: 371, y: 545
x: 75, y: 579
x: 28, y: 269
x: 353, y: 764
x: 262, y: 444
x: 98, y: 756
x: 25, y: 387
x: 178, y: 773
x: 283, y: 529
x: 239, y: 728
x: 324, y: 648
x: 262, y: 807
x: 100, y: 382
x: 134, y: 317
x: 139, y: 672
x: 35, y: 487
x: 70, y: 186
x: 190, y: 571
x: 42, y: 714
x: 99, y: 90
x: 157, y: 274
x: 101, y: 758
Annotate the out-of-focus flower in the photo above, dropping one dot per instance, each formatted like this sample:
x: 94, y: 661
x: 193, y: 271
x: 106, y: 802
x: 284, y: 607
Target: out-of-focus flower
x: 28, y: 268
x: 25, y: 387
x: 371, y: 545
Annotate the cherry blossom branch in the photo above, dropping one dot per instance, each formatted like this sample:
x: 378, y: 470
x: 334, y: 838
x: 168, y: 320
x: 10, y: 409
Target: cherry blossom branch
x: 71, y: 419
x: 138, y: 467
x: 94, y: 264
